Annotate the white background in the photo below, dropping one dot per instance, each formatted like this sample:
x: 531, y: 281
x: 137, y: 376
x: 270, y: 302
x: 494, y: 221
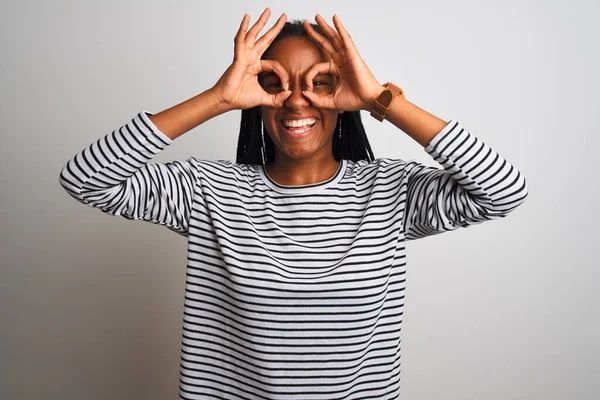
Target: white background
x: 91, y: 305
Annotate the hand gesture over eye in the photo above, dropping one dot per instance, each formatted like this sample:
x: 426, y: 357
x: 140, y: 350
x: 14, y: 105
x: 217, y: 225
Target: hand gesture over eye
x: 356, y: 87
x: 239, y: 87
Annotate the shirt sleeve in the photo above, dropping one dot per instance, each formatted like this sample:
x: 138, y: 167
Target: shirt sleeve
x: 475, y: 185
x: 114, y: 175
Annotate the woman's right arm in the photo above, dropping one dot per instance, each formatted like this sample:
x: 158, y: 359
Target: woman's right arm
x: 183, y: 117
x: 114, y: 174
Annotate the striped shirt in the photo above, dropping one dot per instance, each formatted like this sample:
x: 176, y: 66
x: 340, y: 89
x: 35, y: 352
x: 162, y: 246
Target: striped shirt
x: 294, y: 292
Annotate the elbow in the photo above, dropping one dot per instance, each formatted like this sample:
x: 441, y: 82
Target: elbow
x: 517, y: 193
x: 70, y: 182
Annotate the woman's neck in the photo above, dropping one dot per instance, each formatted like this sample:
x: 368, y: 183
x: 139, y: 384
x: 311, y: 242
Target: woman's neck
x: 294, y: 172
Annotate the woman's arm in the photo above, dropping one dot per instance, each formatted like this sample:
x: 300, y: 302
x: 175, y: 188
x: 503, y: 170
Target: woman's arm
x: 183, y: 117
x: 114, y: 174
x: 476, y: 184
x: 414, y: 121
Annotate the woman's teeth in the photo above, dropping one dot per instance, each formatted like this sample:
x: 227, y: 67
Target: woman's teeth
x: 299, y: 126
x: 298, y: 123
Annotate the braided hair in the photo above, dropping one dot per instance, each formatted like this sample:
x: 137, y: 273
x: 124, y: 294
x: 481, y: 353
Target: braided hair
x: 349, y: 140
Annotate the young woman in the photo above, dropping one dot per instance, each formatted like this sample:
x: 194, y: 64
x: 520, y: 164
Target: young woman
x: 296, y: 252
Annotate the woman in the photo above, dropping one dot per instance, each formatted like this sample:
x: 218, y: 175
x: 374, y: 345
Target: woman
x: 296, y: 252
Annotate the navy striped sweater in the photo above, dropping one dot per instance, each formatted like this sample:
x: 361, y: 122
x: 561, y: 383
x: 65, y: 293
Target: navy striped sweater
x: 294, y: 292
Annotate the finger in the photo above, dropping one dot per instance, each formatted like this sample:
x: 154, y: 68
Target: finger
x: 317, y: 37
x: 320, y: 68
x: 241, y: 34
x: 274, y: 66
x: 279, y: 99
x: 346, y: 39
x: 319, y: 101
x: 330, y: 32
x: 265, y: 41
x: 257, y: 27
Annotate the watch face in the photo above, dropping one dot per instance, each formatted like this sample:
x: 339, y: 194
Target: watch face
x: 385, y: 98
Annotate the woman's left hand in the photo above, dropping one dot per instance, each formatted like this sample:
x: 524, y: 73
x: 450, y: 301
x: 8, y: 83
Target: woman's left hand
x: 356, y: 87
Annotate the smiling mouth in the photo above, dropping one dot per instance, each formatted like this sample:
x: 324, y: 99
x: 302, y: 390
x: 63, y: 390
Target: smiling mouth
x: 298, y: 131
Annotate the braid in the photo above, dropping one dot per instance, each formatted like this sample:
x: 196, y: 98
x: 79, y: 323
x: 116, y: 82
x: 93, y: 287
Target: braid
x: 248, y: 147
x: 353, y: 144
x: 250, y: 139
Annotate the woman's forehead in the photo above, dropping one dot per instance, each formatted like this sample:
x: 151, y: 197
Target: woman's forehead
x: 296, y: 54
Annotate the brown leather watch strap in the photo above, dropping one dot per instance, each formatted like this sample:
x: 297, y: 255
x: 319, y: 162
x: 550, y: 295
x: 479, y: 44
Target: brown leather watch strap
x: 381, y: 105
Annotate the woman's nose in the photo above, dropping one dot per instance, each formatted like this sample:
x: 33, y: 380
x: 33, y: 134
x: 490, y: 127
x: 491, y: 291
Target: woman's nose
x: 297, y: 100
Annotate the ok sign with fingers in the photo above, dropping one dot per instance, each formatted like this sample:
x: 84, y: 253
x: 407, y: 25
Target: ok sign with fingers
x: 357, y: 88
x: 239, y: 87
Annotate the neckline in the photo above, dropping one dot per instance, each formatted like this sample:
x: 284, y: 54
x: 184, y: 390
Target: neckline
x: 312, y: 187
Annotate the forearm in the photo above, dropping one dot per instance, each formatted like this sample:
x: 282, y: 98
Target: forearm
x: 414, y: 121
x: 179, y: 119
x: 114, y: 174
x: 476, y: 185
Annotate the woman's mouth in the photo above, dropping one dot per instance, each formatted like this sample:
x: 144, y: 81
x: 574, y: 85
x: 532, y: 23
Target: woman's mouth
x: 298, y: 127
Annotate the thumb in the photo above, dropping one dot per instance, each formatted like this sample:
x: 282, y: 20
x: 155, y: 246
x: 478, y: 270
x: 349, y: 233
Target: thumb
x: 280, y: 98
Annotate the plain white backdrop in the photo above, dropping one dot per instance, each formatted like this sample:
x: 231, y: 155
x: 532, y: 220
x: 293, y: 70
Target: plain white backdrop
x: 91, y: 305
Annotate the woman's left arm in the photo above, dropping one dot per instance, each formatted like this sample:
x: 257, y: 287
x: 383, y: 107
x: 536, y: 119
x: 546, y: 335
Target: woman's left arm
x: 414, y: 121
x: 476, y: 184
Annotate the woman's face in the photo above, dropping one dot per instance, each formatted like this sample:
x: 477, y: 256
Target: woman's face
x: 299, y: 130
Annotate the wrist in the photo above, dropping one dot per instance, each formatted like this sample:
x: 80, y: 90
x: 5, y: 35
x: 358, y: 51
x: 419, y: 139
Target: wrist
x: 219, y: 103
x: 374, y: 93
x: 382, y: 105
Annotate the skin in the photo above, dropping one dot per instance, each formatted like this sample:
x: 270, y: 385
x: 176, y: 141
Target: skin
x: 308, y: 161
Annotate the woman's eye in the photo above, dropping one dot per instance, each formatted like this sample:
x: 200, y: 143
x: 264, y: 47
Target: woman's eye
x: 319, y: 83
x: 273, y: 86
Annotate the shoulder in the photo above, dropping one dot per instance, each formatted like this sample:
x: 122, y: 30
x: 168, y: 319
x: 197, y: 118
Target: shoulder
x: 380, y: 166
x: 225, y: 165
x: 381, y: 170
x: 219, y: 169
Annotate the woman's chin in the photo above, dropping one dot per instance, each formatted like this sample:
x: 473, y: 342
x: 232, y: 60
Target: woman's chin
x: 299, y: 151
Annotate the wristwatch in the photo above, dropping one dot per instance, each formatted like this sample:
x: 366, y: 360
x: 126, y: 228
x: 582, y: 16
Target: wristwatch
x: 381, y: 106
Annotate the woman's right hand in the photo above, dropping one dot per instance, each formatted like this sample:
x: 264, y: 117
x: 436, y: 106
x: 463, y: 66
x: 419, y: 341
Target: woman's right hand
x: 239, y: 88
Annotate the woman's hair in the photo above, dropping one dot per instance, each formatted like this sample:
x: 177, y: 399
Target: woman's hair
x: 349, y: 138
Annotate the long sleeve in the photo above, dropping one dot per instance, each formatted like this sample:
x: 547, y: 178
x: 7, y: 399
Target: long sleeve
x: 476, y: 185
x: 114, y: 175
